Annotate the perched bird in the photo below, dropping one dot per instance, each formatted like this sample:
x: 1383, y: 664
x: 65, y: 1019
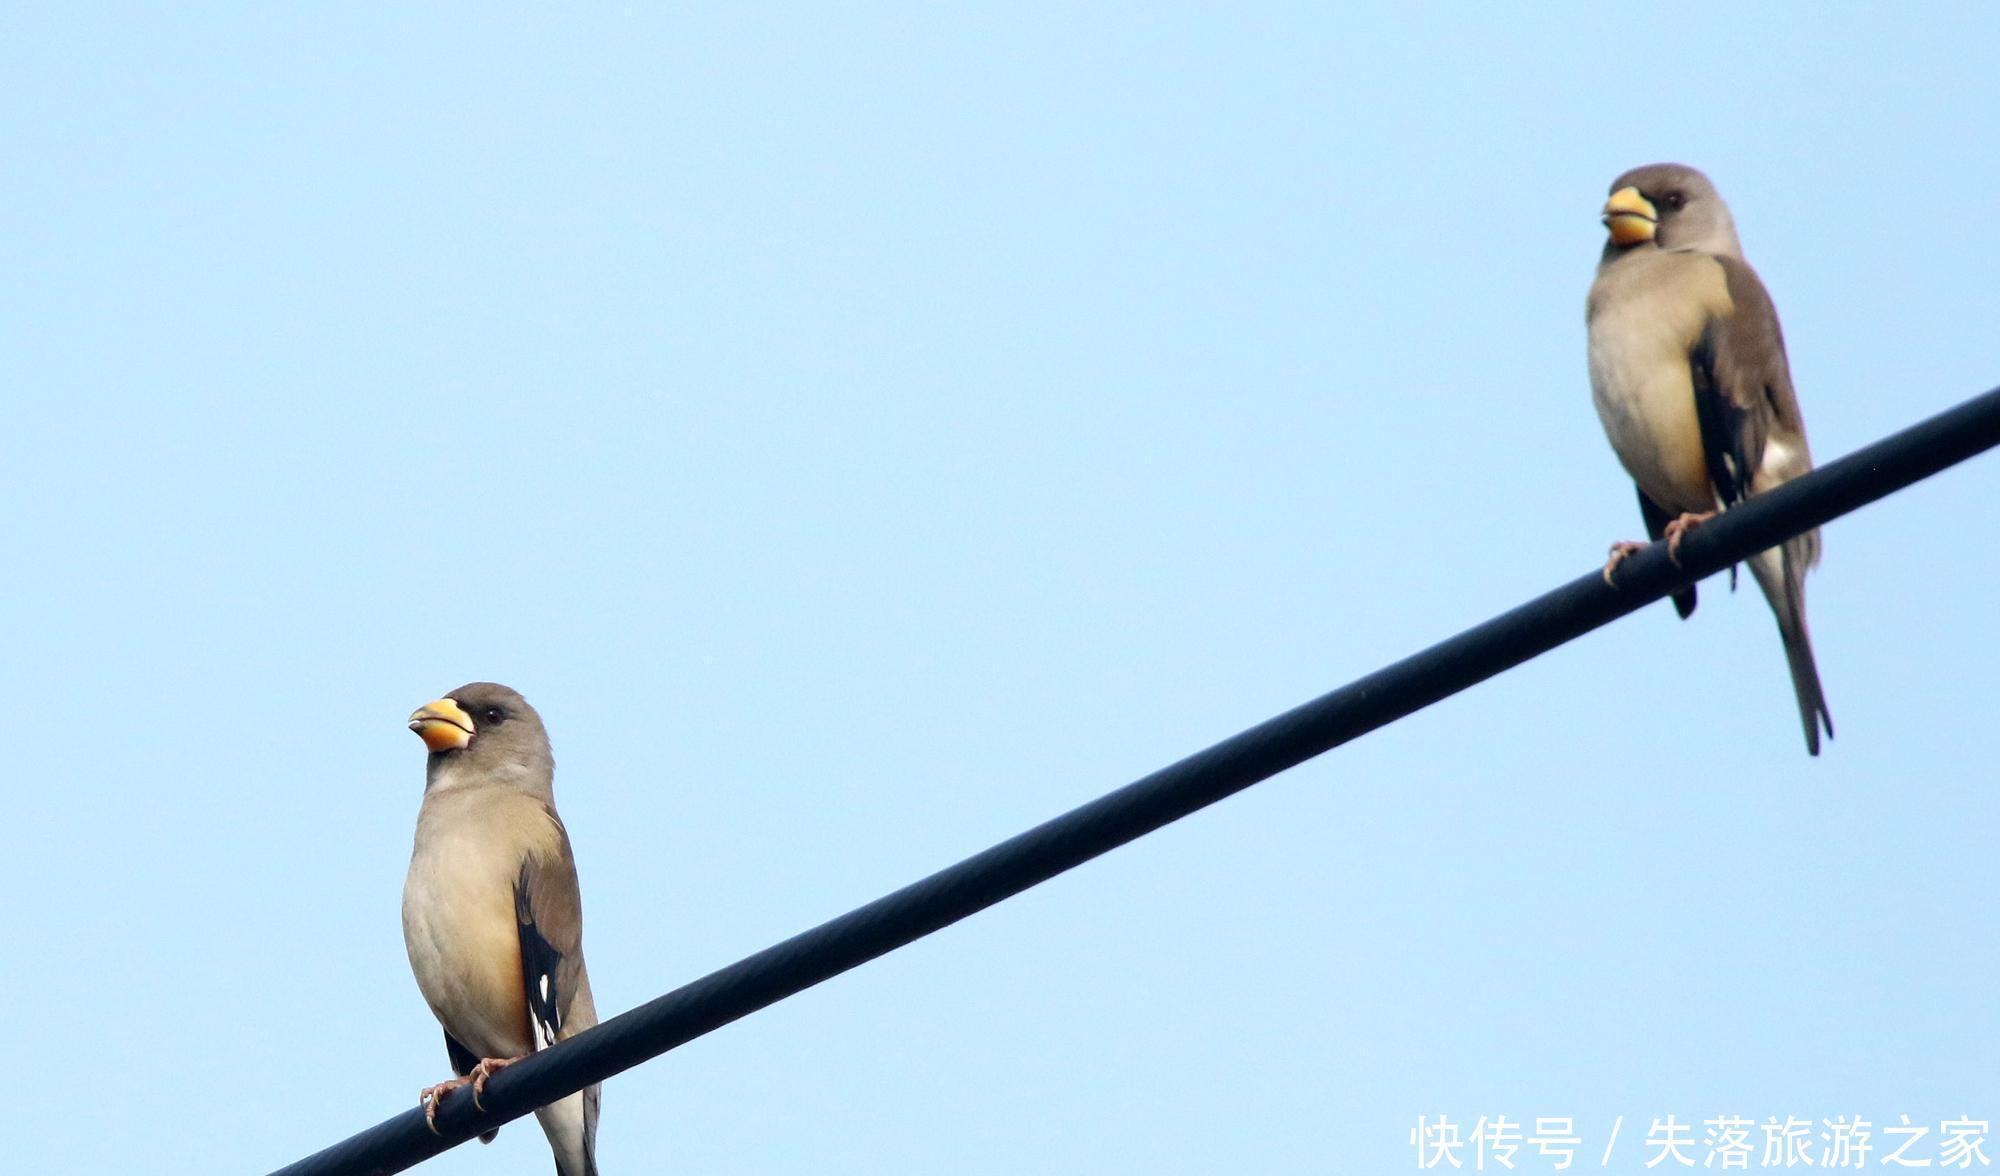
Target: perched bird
x: 1688, y: 370
x: 491, y: 914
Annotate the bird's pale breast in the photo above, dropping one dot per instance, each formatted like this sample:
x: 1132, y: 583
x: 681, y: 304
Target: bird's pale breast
x: 1646, y: 315
x: 459, y: 923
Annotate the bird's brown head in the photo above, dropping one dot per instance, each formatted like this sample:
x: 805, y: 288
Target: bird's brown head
x: 1671, y: 206
x: 484, y: 728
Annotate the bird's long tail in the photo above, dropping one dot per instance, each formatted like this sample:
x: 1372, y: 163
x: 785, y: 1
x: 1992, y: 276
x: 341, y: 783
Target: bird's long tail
x: 571, y: 1125
x: 1780, y: 572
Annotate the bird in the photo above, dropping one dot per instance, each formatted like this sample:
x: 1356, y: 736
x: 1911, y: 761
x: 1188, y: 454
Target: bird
x: 1689, y: 375
x: 492, y: 915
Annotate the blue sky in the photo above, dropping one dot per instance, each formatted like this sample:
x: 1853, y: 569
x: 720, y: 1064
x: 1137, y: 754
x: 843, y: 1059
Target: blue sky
x: 865, y: 432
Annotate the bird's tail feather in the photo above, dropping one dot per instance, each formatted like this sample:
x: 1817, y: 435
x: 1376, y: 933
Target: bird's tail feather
x: 571, y: 1125
x: 1782, y: 578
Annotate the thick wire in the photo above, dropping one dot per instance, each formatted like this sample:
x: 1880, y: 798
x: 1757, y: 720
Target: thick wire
x: 1171, y: 793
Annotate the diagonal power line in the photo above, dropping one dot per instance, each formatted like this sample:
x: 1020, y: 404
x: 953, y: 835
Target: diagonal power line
x: 1171, y: 793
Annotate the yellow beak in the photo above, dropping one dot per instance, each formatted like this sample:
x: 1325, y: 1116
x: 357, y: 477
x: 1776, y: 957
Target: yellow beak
x: 1630, y: 217
x: 442, y: 725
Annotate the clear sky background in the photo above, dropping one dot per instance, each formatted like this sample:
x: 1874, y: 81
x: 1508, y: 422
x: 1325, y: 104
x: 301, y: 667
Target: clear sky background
x: 865, y: 433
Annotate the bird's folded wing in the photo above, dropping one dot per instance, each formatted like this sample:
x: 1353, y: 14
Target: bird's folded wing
x: 551, y: 918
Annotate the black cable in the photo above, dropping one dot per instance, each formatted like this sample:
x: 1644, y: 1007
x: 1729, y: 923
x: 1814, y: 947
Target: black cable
x: 1171, y: 793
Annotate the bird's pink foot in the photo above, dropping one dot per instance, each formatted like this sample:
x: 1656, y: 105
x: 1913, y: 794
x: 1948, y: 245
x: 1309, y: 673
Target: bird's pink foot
x: 1620, y: 552
x: 428, y: 1098
x: 1678, y: 529
x: 486, y: 1068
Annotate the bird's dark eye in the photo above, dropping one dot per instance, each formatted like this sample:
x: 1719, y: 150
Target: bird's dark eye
x: 493, y: 714
x: 1674, y: 200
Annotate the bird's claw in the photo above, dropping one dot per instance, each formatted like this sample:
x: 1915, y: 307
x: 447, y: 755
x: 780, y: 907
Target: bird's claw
x: 1678, y: 529
x: 486, y: 1068
x: 1620, y: 552
x: 429, y: 1096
